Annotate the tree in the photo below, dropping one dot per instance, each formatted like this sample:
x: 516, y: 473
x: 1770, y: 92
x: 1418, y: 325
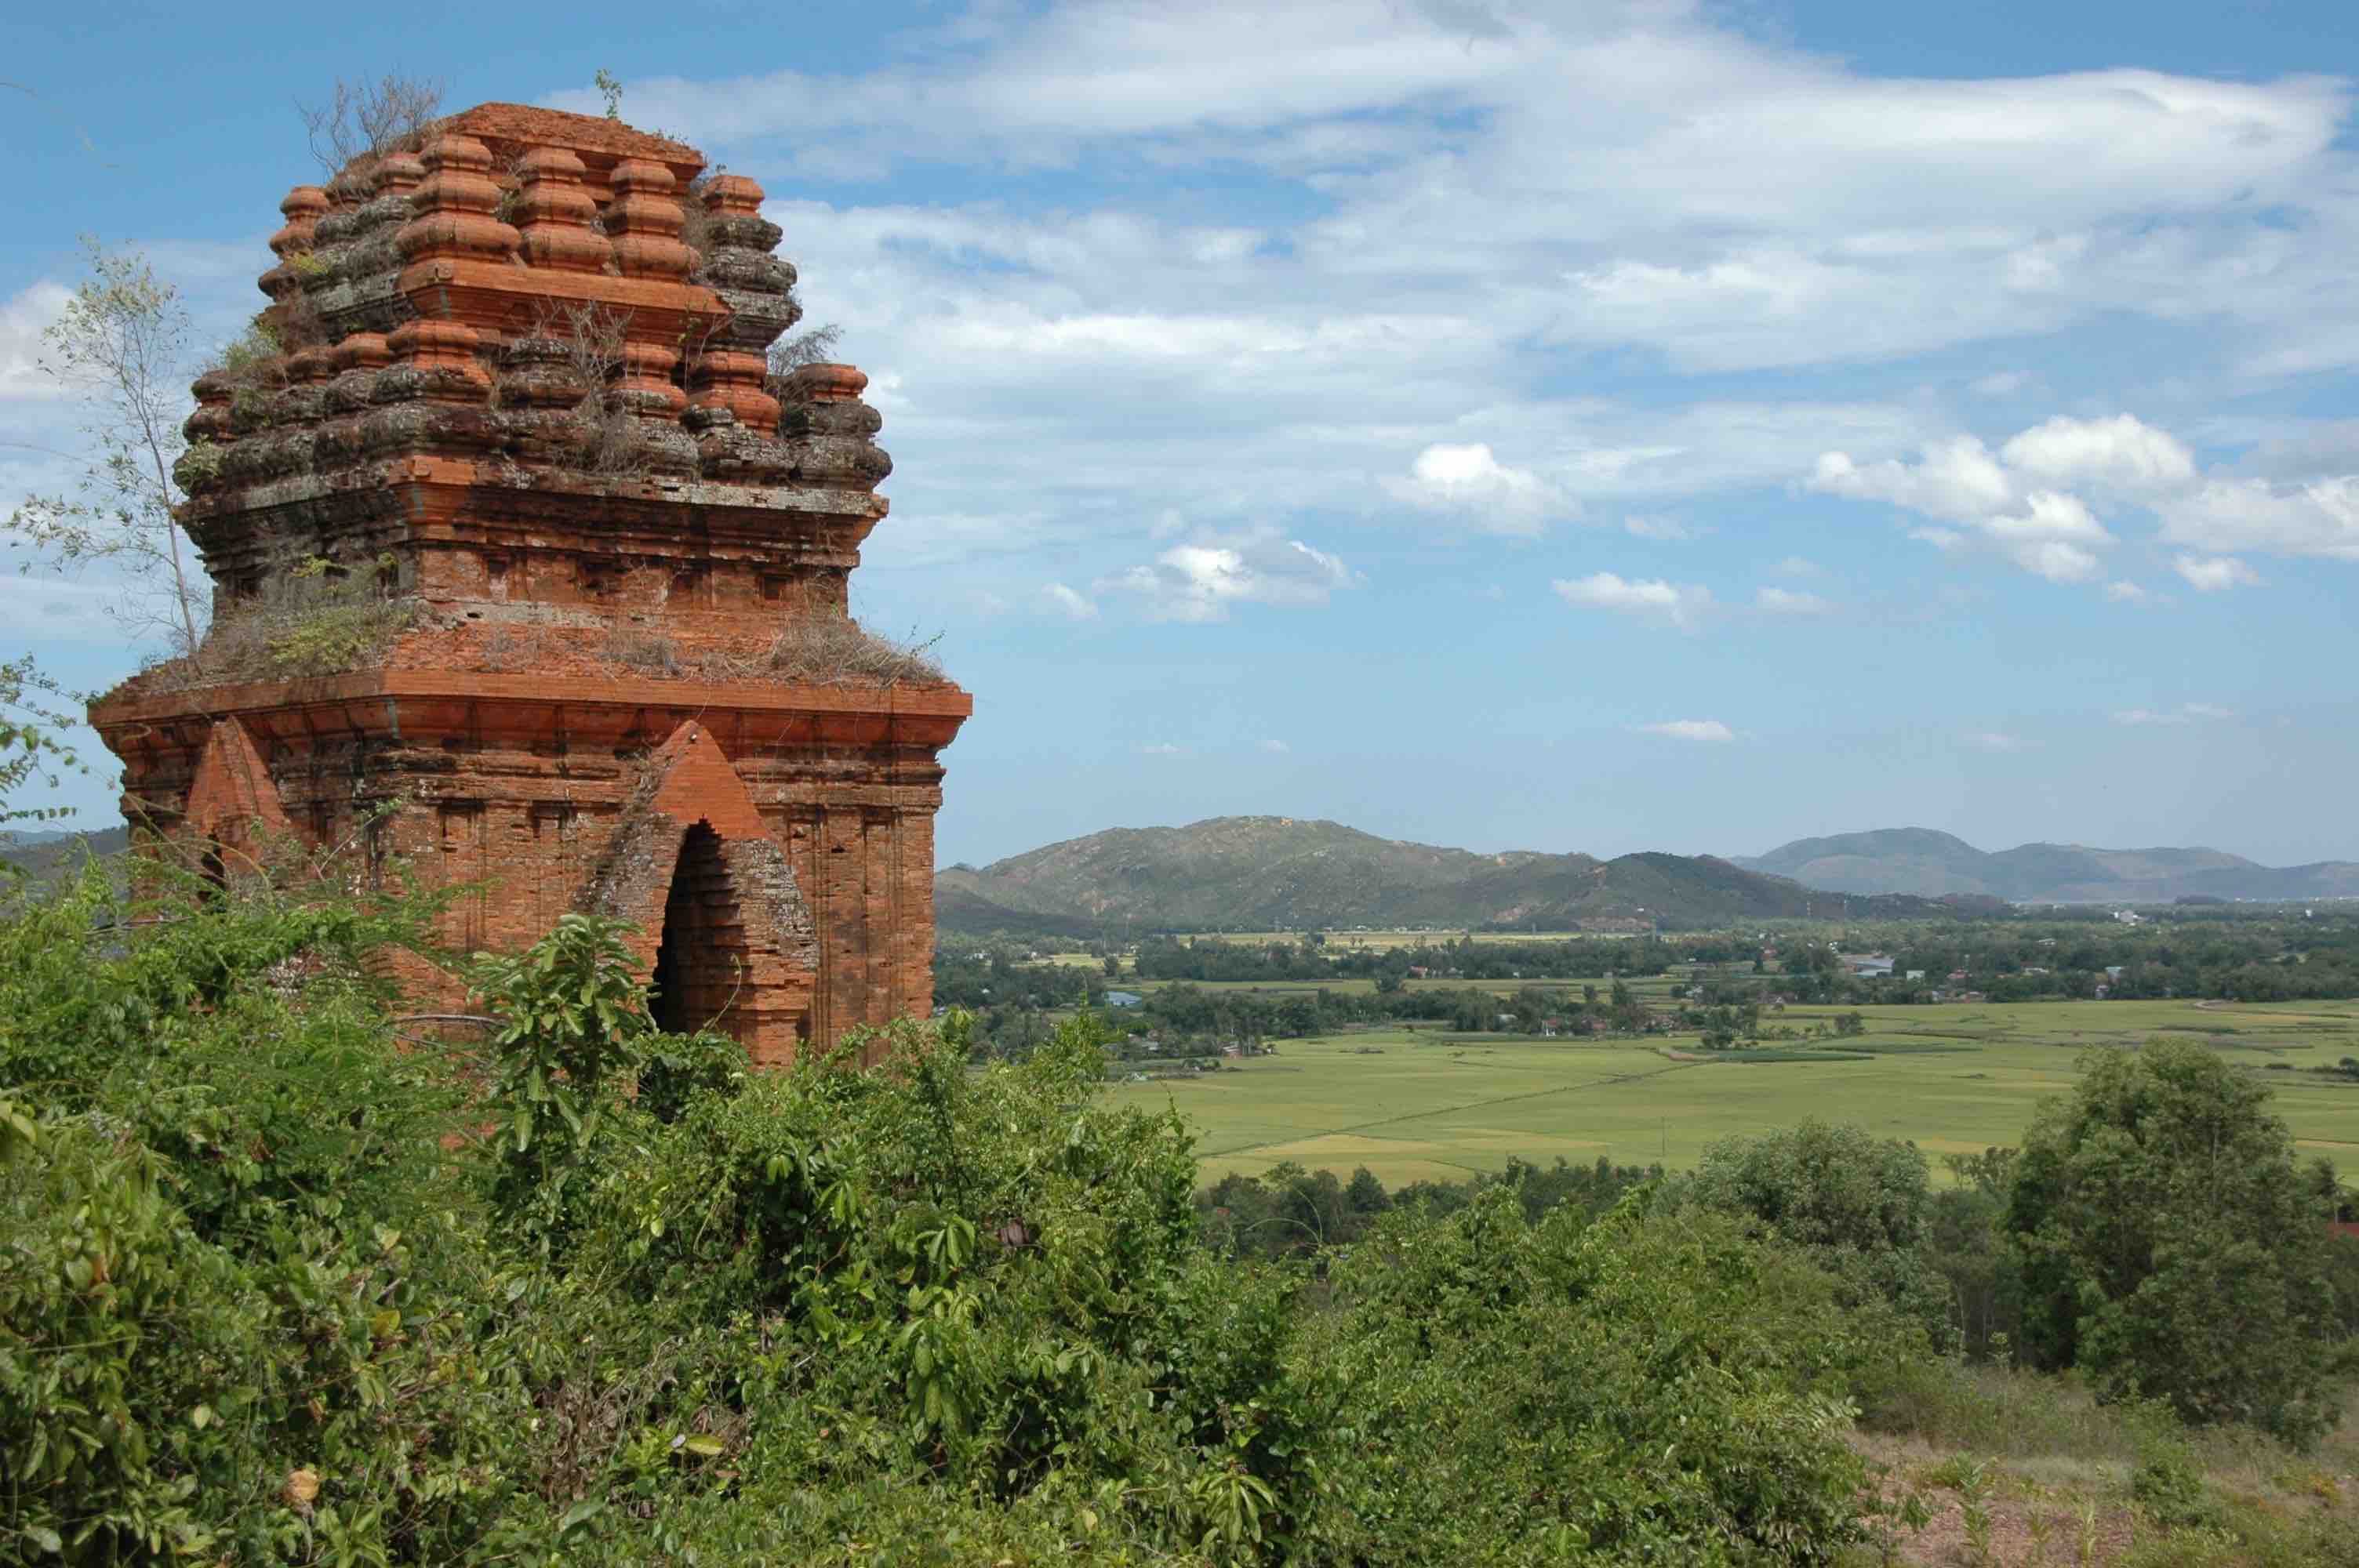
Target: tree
x: 369, y: 119
x: 1856, y: 1203
x: 2172, y: 1247
x: 1966, y: 1242
x: 29, y: 749
x: 123, y: 343
x: 1367, y: 1194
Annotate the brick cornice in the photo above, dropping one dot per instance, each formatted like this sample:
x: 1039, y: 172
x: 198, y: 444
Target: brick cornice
x: 944, y: 702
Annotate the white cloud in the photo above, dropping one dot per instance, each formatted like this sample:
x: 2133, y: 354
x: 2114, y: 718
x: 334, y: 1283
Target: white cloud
x: 1796, y: 566
x: 2317, y: 518
x: 2049, y: 515
x: 1162, y: 749
x: 1690, y: 729
x: 1680, y: 604
x: 1663, y: 530
x: 1786, y: 602
x: 1204, y: 580
x: 2122, y: 453
x: 2055, y: 559
x: 1956, y: 479
x: 1470, y: 480
x: 2048, y: 532
x: 2186, y: 713
x: 2214, y: 574
x: 2020, y: 505
x: 1068, y: 601
x: 1996, y: 741
x: 85, y: 610
x: 22, y: 319
x: 2001, y: 384
x: 2120, y: 590
x: 1276, y: 747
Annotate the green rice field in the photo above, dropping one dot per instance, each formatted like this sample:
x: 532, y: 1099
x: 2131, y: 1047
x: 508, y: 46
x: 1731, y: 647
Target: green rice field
x: 1438, y: 1105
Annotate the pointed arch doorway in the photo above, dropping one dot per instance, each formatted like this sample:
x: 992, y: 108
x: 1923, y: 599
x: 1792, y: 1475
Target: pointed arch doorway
x: 719, y: 914
x: 703, y: 963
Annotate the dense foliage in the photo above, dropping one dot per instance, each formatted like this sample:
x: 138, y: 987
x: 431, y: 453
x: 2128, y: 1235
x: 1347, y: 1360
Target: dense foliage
x: 1289, y: 1211
x: 276, y: 1288
x: 1857, y: 1203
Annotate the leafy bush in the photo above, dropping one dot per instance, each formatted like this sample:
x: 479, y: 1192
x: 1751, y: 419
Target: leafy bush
x: 1857, y: 1203
x: 1630, y: 1390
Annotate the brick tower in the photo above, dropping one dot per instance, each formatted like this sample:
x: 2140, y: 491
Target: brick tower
x: 528, y: 571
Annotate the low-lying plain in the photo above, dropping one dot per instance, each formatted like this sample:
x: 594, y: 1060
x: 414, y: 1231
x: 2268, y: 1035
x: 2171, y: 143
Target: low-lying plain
x: 1435, y: 1104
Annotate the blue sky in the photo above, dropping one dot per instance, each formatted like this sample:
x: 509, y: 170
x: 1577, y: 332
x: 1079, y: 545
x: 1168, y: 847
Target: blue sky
x: 1604, y: 426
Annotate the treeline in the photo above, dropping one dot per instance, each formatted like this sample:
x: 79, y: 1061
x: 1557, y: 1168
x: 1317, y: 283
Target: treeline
x: 1184, y: 1010
x: 1467, y: 958
x: 1003, y: 976
x: 2204, y: 952
x: 1288, y: 1211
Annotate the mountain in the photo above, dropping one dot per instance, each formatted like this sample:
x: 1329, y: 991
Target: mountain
x: 38, y: 850
x: 1930, y: 864
x: 1263, y: 872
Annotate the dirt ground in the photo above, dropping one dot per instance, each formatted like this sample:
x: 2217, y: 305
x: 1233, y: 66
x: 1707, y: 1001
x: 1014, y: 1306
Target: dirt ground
x: 2027, y: 1511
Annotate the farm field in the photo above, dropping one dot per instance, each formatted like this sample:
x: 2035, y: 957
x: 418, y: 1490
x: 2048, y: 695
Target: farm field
x: 1441, y: 1105
x: 1647, y: 988
x: 1384, y: 941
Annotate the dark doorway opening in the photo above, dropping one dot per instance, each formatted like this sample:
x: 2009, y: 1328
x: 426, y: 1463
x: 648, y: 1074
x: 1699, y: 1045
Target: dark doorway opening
x: 700, y: 962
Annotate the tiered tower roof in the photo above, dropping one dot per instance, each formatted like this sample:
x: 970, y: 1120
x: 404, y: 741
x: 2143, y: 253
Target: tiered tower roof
x: 522, y: 378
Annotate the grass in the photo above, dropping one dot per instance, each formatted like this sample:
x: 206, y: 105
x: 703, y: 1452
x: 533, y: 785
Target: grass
x: 1440, y: 1105
x: 2016, y: 1467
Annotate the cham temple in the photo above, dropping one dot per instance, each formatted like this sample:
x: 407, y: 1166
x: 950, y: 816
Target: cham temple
x: 529, y: 575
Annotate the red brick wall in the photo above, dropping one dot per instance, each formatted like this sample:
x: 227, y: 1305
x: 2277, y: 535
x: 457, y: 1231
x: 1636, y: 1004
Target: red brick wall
x: 841, y: 802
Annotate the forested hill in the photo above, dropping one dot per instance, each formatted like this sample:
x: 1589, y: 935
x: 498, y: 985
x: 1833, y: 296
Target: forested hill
x: 1263, y: 872
x: 39, y: 849
x: 1930, y: 864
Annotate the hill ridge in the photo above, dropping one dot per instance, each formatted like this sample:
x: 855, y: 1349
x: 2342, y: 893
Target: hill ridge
x: 1928, y: 862
x: 1267, y: 871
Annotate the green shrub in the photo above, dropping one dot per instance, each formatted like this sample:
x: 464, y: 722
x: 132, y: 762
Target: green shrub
x: 1857, y: 1203
x: 1622, y: 1390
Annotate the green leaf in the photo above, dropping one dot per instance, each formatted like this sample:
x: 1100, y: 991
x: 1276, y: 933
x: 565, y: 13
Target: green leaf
x: 707, y: 1446
x: 580, y: 1513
